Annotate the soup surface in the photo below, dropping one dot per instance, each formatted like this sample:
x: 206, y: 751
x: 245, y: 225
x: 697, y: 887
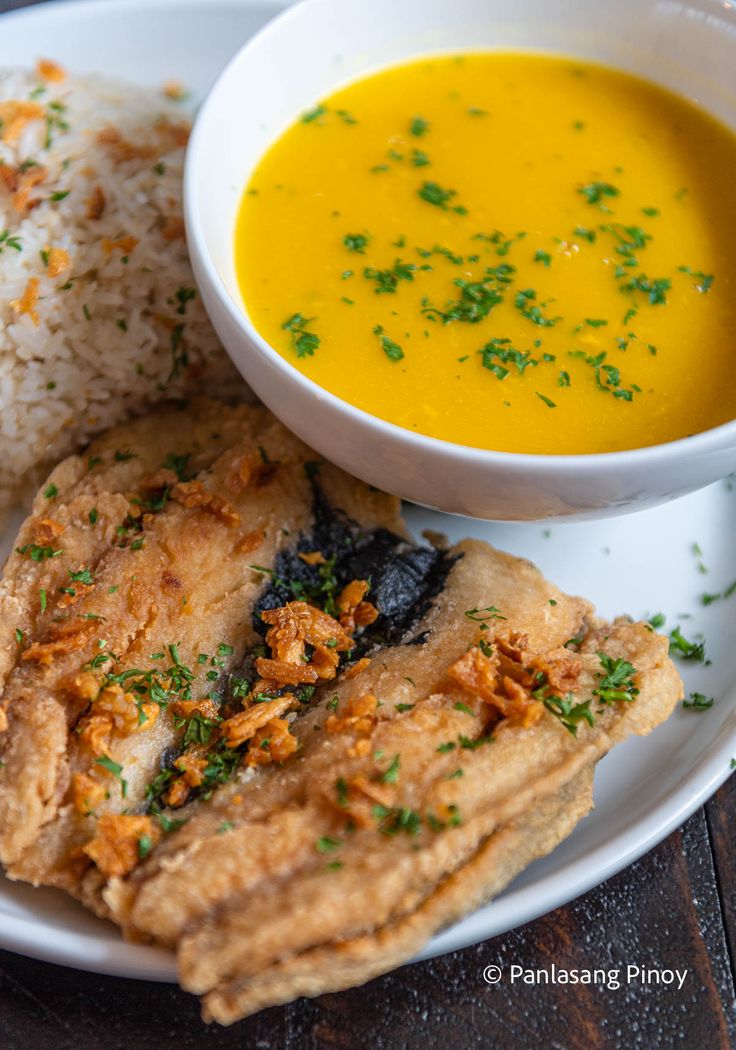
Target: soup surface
x: 509, y: 251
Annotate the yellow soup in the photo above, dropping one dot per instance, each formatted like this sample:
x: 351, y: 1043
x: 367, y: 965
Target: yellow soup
x: 510, y: 251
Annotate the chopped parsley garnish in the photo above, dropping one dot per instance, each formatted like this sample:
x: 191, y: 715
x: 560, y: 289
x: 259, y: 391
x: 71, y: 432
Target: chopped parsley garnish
x: 655, y: 290
x: 433, y: 193
x: 477, y: 298
x: 419, y: 126
x: 704, y: 281
x: 145, y: 845
x: 341, y: 789
x: 83, y: 576
x: 569, y: 713
x: 698, y: 702
x: 548, y: 402
x: 616, y: 680
x: 598, y: 192
x: 38, y: 553
x: 313, y: 114
x: 607, y: 376
x: 498, y: 353
x: 325, y: 844
x: 543, y: 257
x: 305, y: 342
x: 460, y: 706
x: 387, y: 280
x: 488, y: 612
x: 50, y: 492
x: 396, y: 819
x: 526, y: 305
x: 391, y: 775
x: 684, y: 649
x: 355, y: 242
x: 708, y: 599
x: 116, y: 769
x: 419, y: 158
x: 391, y: 349
x: 9, y: 241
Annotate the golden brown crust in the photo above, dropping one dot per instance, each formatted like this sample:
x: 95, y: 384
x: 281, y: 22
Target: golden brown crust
x: 410, y: 787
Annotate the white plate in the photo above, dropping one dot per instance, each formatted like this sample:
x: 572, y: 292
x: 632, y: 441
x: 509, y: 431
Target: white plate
x: 642, y: 563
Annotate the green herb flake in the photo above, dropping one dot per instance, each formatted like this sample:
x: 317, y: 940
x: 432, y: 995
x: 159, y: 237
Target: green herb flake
x: 684, y: 649
x: 311, y: 115
x: 598, y: 192
x: 38, y: 553
x: 460, y: 706
x: 391, y: 775
x: 305, y: 342
x: 145, y: 845
x: 698, y: 702
x: 569, y: 713
x: 391, y: 349
x: 418, y: 127
x: 356, y: 242
x: 116, y: 769
x: 616, y: 680
x: 325, y: 844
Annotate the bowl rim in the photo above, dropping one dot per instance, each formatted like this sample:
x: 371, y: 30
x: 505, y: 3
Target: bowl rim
x: 713, y: 439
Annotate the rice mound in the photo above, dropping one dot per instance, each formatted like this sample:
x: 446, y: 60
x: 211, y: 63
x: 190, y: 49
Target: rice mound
x: 99, y: 314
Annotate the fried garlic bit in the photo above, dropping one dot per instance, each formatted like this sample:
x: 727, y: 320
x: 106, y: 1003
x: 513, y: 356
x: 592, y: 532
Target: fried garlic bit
x: 15, y: 114
x: 297, y: 625
x: 359, y: 718
x: 120, y: 841
x: 246, y: 724
x: 87, y: 793
x: 27, y: 302
x: 359, y: 797
x: 506, y: 677
x: 272, y: 743
x: 63, y: 638
x: 193, y: 495
x: 354, y: 611
x: 113, y: 711
x: 50, y: 71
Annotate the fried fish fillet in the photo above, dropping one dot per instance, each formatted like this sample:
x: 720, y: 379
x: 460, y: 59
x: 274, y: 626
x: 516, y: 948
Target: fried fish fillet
x: 137, y: 557
x: 269, y: 732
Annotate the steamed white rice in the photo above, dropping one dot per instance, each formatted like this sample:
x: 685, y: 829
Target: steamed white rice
x: 99, y: 315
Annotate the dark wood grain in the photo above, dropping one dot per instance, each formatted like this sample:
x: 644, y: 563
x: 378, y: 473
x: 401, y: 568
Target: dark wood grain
x: 721, y: 818
x: 674, y: 908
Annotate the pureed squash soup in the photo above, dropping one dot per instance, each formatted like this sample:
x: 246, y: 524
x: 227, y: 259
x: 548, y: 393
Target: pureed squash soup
x: 509, y: 251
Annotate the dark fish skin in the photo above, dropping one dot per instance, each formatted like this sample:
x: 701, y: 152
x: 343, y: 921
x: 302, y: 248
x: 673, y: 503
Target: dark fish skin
x: 404, y: 577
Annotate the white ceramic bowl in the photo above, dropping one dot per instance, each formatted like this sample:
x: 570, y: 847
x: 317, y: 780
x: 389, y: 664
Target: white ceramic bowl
x: 318, y: 45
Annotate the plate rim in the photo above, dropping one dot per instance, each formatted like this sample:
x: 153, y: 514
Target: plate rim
x: 88, y: 951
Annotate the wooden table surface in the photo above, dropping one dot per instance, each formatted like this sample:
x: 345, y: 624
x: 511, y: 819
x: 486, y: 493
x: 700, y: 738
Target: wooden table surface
x: 675, y: 908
